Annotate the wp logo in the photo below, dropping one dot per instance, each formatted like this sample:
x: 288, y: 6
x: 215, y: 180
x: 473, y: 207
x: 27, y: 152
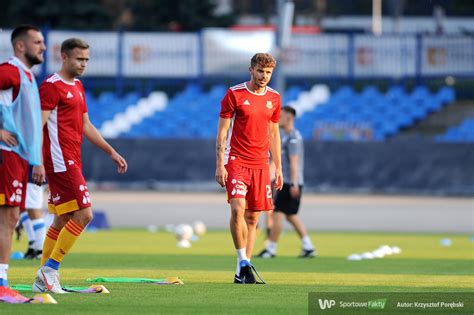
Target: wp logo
x: 324, y: 304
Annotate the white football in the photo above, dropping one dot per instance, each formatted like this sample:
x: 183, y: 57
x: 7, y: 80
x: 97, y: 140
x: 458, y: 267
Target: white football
x: 367, y: 255
x: 396, y: 250
x: 386, y: 249
x: 378, y: 253
x: 184, y: 232
x: 152, y: 228
x: 169, y: 228
x: 354, y: 257
x: 199, y: 228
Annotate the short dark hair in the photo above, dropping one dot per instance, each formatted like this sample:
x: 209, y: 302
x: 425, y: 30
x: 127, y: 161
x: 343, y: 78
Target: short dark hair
x: 21, y: 31
x: 263, y: 59
x: 69, y: 44
x: 289, y: 110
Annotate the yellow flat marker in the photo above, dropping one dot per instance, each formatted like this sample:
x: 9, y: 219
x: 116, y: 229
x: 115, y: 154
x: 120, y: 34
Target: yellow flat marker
x: 43, y: 298
x: 174, y: 280
x: 99, y: 288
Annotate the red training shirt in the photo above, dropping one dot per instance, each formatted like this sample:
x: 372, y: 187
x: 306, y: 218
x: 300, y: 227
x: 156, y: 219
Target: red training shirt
x: 248, y: 139
x: 62, y: 134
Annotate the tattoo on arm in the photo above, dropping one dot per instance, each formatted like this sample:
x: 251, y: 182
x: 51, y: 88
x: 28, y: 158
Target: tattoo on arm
x: 220, y: 147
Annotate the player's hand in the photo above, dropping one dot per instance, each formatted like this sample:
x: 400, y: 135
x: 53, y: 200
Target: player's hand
x: 120, y: 161
x: 221, y: 175
x: 8, y: 137
x: 278, y: 179
x: 38, y: 175
x: 295, y: 191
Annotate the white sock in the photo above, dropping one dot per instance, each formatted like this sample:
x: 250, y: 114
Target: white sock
x: 271, y: 247
x: 3, y: 274
x: 28, y: 226
x: 241, y: 255
x: 307, y: 244
x: 40, y: 233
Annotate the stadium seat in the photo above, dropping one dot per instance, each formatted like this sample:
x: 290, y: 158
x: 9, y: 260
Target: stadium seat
x: 192, y: 113
x: 464, y: 132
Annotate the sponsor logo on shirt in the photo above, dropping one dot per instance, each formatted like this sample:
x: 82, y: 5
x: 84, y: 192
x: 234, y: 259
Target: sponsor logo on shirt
x: 239, y: 188
x: 86, y: 198
x: 56, y: 198
x: 17, y: 196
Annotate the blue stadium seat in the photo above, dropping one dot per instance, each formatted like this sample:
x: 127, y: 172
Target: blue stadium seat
x: 464, y: 132
x: 192, y: 113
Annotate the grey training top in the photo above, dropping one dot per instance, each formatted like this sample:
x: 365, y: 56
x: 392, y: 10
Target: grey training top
x: 292, y: 144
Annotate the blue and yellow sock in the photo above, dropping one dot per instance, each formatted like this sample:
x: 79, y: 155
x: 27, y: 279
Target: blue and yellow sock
x: 66, y: 239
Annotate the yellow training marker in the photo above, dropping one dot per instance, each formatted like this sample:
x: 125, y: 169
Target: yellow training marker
x: 174, y: 280
x: 45, y: 298
x: 99, y: 288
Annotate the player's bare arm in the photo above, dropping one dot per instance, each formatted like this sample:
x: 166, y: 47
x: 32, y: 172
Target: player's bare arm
x: 295, y: 188
x: 275, y: 149
x: 8, y: 138
x: 222, y: 129
x: 93, y: 135
x: 38, y: 174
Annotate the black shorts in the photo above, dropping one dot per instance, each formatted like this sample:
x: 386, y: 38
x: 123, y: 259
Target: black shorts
x: 285, y: 203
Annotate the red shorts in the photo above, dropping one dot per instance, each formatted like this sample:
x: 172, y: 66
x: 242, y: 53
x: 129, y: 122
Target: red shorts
x: 251, y: 184
x: 13, y: 179
x: 67, y: 192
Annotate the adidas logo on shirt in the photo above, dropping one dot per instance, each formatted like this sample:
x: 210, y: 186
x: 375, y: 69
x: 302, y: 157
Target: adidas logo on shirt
x: 69, y: 95
x: 246, y: 102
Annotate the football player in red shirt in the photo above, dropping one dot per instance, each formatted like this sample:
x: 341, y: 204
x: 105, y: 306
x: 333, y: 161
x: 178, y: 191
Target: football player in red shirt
x: 65, y: 121
x: 247, y: 131
x: 18, y: 94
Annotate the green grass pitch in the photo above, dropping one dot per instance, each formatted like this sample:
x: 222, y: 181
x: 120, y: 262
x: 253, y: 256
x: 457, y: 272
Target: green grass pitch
x: 208, y: 267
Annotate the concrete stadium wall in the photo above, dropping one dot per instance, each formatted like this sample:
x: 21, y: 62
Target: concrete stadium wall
x: 389, y: 167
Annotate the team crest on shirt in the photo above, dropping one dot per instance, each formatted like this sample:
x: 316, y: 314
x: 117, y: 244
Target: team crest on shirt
x: 269, y: 105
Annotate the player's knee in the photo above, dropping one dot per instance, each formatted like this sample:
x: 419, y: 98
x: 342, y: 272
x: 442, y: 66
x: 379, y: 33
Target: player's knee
x: 88, y: 218
x: 237, y: 211
x: 251, y: 219
x: 83, y: 217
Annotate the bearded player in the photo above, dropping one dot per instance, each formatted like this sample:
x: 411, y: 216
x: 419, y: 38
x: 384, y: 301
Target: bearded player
x: 20, y: 135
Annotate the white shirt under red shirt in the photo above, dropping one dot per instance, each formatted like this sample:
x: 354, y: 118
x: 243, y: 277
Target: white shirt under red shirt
x: 10, y: 84
x: 248, y: 139
x: 62, y: 134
